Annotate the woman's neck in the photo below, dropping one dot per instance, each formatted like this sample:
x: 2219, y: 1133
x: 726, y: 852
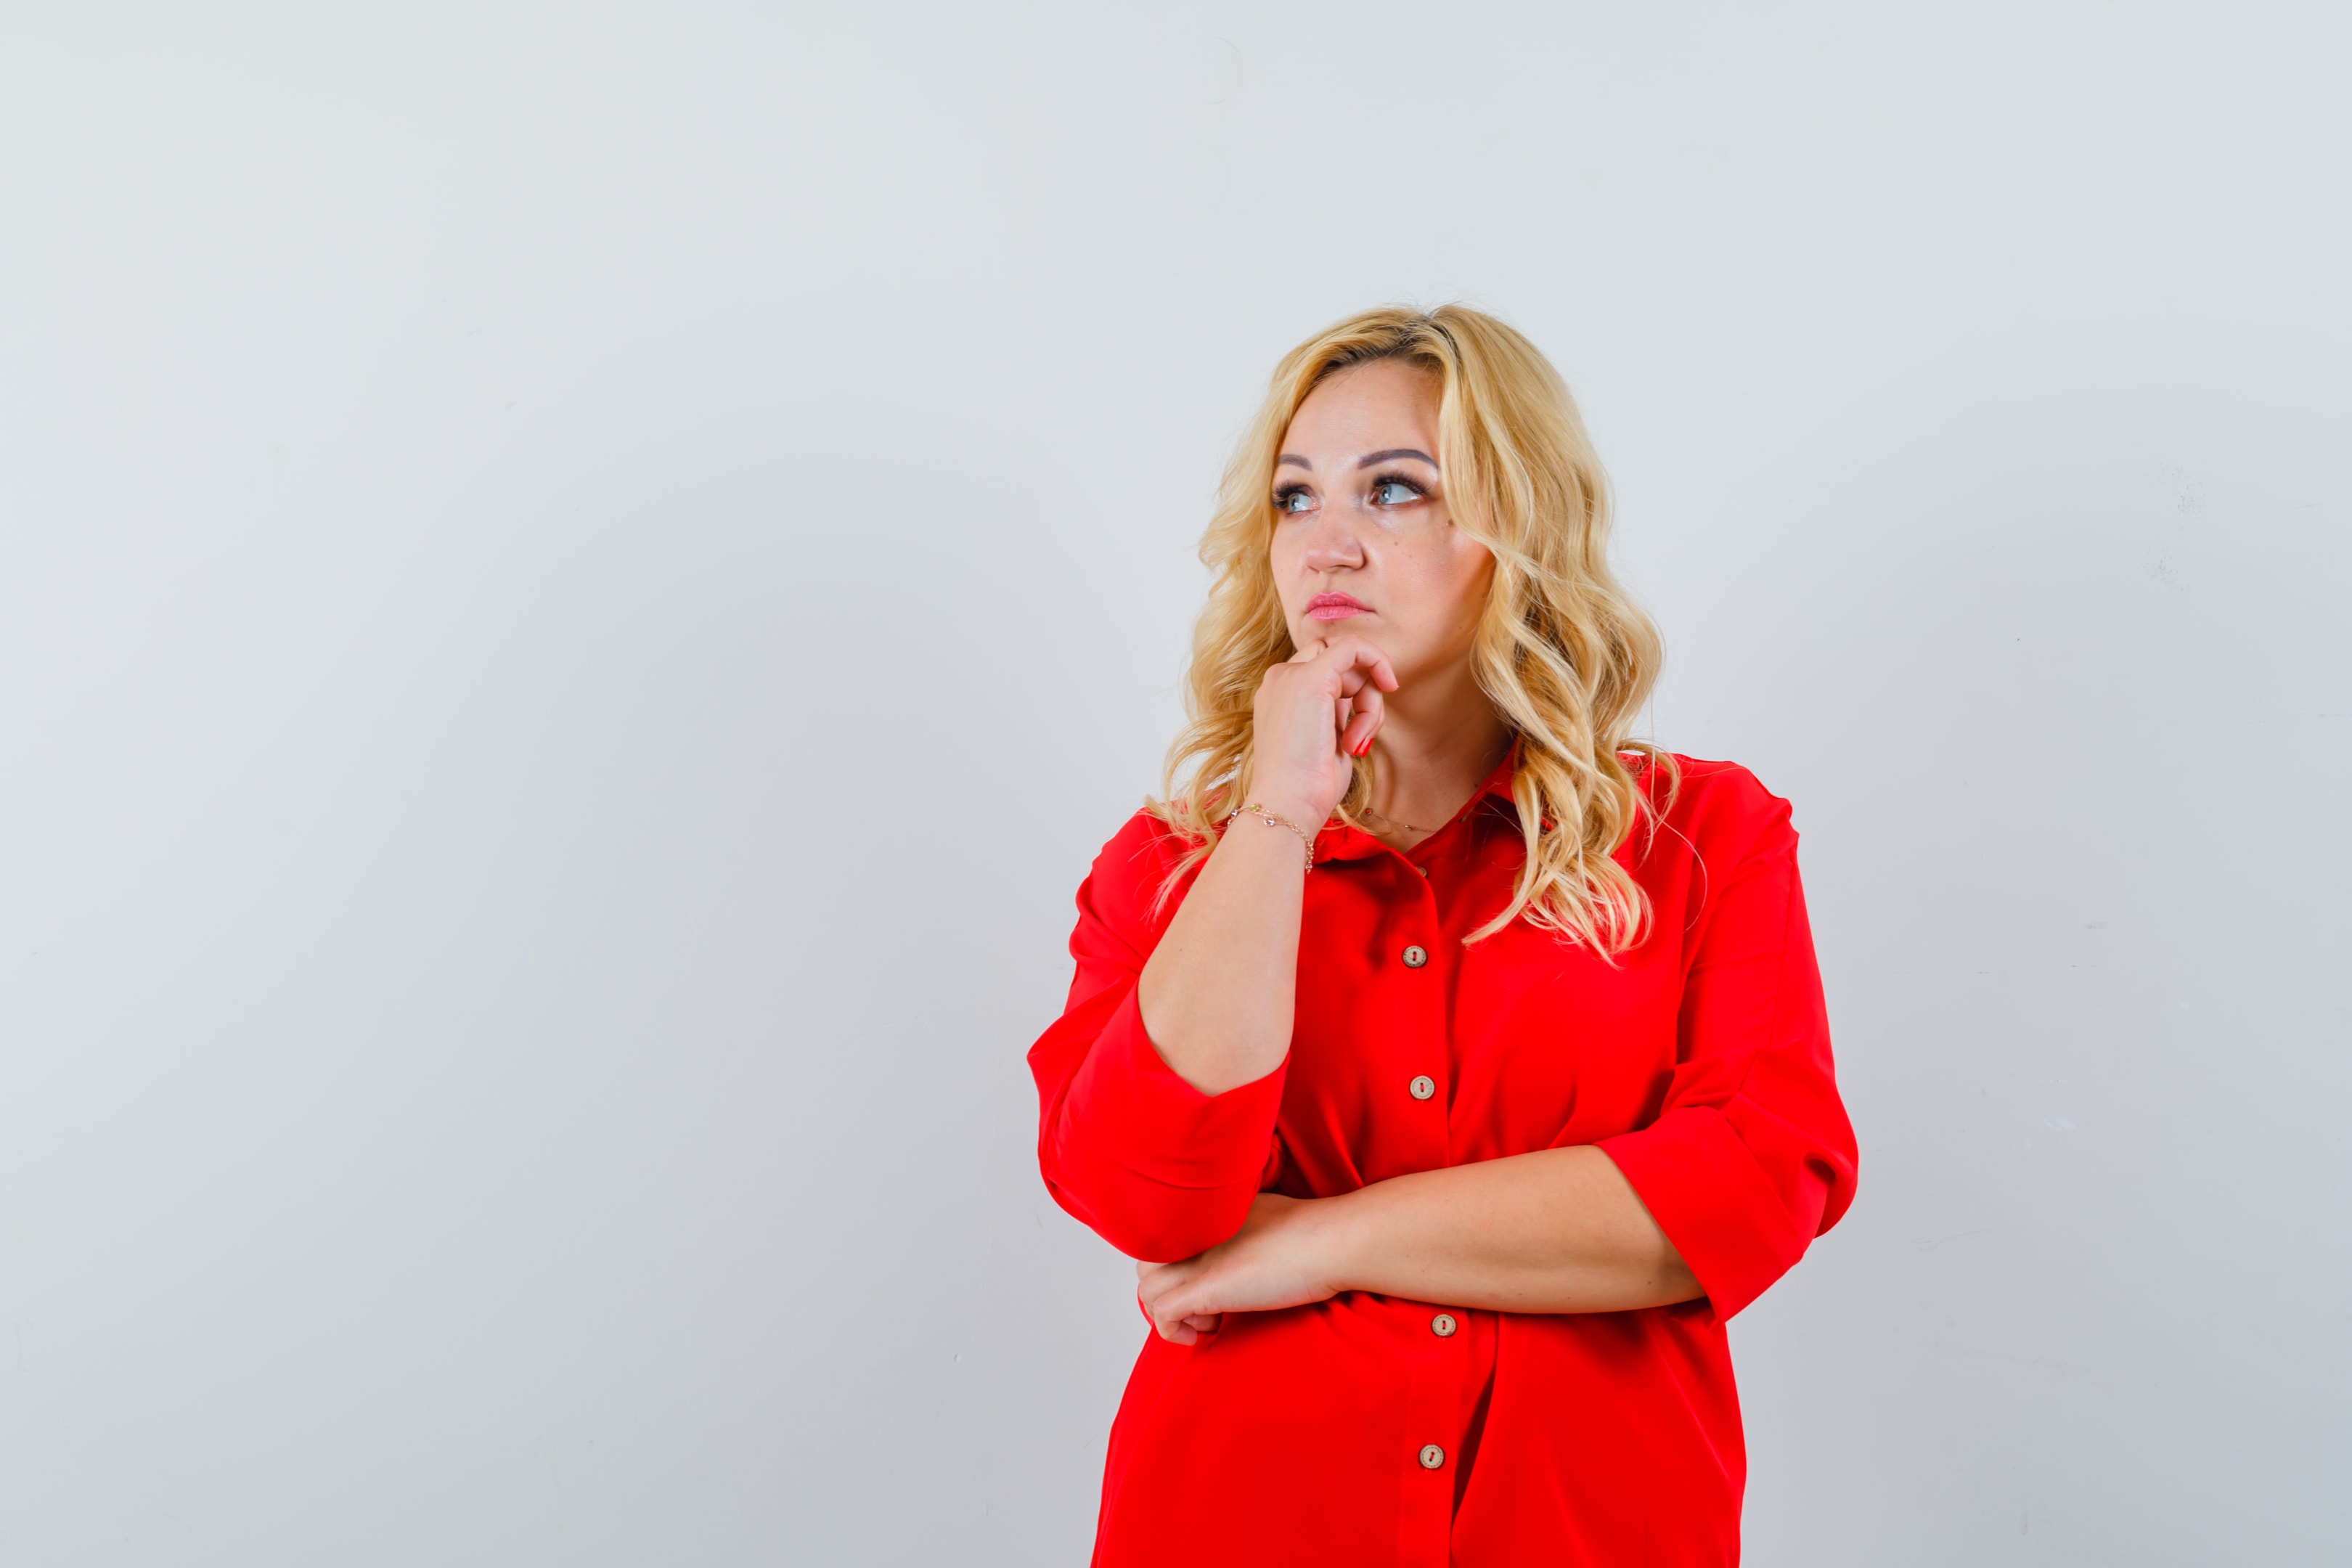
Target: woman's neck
x: 1433, y: 750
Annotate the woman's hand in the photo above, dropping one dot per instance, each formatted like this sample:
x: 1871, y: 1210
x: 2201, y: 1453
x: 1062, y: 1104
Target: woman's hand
x: 1312, y: 714
x: 1219, y: 994
x: 1277, y: 1259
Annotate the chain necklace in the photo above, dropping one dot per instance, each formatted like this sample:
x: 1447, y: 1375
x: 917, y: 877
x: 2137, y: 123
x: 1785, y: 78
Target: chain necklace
x: 1393, y: 824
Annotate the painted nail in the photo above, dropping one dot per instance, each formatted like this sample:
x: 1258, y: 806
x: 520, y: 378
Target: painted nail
x: 1360, y: 747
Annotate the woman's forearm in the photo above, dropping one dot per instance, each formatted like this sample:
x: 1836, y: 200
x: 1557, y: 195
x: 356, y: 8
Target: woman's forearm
x: 1557, y: 1231
x: 1218, y: 992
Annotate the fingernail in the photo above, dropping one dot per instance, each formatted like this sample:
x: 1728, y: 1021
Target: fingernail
x: 1360, y: 747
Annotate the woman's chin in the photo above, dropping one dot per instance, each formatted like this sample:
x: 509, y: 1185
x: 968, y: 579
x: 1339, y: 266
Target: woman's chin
x: 1363, y: 624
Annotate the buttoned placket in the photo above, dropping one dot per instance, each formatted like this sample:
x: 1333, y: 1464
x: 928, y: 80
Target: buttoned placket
x: 1419, y: 967
x: 1419, y: 970
x: 1415, y: 971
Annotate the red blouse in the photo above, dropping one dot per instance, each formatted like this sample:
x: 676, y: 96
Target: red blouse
x: 1369, y: 1429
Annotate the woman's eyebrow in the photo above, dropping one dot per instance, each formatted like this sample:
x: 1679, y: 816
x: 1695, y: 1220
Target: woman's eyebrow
x: 1367, y: 461
x: 1294, y: 458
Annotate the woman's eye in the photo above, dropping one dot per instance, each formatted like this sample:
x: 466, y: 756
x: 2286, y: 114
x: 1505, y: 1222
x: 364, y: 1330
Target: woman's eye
x: 1393, y: 492
x: 1294, y: 501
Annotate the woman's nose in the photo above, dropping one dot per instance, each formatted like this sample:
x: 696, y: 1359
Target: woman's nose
x: 1331, y: 544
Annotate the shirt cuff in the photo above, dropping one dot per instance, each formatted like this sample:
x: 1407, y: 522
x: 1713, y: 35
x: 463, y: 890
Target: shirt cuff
x: 1161, y: 1127
x: 1716, y: 1202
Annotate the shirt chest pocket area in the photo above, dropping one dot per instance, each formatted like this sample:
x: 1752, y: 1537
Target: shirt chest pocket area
x: 1543, y: 1048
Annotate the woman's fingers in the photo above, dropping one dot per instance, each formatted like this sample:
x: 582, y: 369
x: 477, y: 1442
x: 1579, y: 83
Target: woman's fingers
x: 1182, y: 1328
x: 1155, y: 1285
x: 1164, y: 1290
x: 1350, y: 660
x: 1359, y: 674
x: 1364, y: 673
x: 1355, y: 656
x: 1356, y: 732
x: 1320, y: 705
x: 1191, y: 1329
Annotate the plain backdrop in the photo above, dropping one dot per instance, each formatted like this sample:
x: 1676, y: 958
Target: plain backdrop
x: 580, y: 584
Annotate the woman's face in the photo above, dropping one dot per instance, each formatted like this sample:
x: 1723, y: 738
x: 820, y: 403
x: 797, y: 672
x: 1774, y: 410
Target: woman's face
x: 1362, y: 543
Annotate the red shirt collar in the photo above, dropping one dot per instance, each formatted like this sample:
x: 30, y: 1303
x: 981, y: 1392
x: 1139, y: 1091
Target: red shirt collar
x: 1337, y: 842
x: 1498, y: 782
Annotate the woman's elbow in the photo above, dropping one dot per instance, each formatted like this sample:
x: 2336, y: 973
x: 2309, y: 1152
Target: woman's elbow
x: 1159, y: 1225
x: 1673, y: 1282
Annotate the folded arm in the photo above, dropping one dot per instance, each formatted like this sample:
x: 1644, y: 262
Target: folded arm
x: 1560, y: 1230
x: 1748, y: 1157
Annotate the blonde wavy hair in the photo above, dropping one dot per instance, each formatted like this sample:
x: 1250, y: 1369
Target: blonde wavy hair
x: 1565, y: 656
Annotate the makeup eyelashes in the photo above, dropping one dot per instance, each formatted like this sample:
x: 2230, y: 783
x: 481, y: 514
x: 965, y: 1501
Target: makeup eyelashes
x: 1283, y: 494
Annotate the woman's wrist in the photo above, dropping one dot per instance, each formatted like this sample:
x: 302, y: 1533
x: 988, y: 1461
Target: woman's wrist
x: 1334, y: 1239
x: 1295, y: 810
x: 1292, y: 834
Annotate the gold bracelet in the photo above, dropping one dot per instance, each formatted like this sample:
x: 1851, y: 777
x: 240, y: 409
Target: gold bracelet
x: 1273, y: 821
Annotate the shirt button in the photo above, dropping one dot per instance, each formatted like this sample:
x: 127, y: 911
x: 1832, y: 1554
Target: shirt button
x: 1422, y: 1087
x: 1432, y: 1456
x: 1443, y: 1325
x: 1414, y: 957
x: 1422, y: 869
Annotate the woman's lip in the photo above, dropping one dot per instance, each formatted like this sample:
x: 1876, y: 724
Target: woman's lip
x: 1332, y: 607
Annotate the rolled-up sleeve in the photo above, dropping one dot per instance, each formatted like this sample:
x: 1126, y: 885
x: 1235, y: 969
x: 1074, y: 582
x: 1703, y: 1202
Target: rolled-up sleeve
x: 1750, y: 1155
x: 1151, y: 1164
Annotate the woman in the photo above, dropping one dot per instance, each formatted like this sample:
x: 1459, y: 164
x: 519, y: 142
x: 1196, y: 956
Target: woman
x: 1455, y: 1064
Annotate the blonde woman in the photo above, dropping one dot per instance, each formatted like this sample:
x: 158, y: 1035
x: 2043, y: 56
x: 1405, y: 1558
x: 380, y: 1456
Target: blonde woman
x: 1453, y: 1064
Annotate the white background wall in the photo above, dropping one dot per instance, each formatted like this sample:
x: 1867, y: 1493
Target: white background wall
x: 579, y: 583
